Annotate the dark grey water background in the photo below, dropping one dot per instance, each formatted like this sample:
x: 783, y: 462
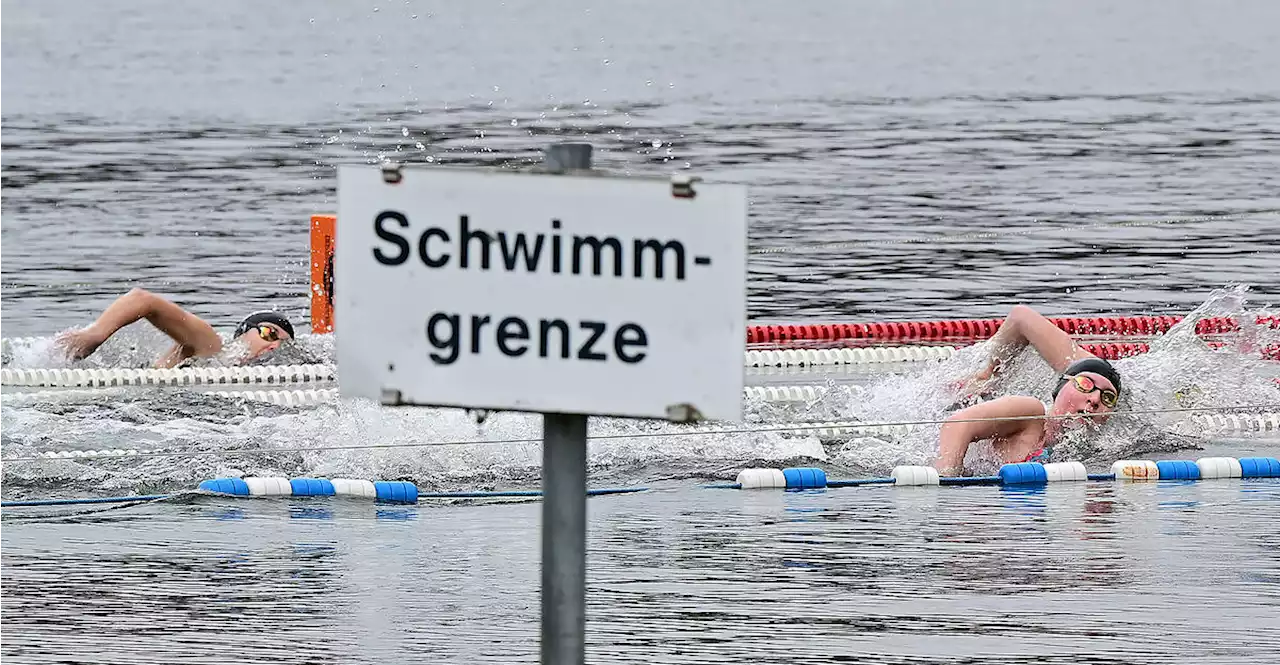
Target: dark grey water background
x: 182, y: 147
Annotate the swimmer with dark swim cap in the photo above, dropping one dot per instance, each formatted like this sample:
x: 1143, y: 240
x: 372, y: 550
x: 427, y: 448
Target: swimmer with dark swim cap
x: 259, y: 333
x: 1029, y: 428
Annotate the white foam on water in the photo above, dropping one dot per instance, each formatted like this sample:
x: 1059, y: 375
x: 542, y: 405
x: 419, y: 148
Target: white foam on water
x: 1180, y: 371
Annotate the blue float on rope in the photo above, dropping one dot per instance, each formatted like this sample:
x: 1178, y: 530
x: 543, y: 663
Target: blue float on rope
x: 805, y: 478
x: 396, y: 491
x: 311, y: 487
x: 1259, y: 467
x: 233, y: 486
x: 1178, y: 470
x: 1023, y: 473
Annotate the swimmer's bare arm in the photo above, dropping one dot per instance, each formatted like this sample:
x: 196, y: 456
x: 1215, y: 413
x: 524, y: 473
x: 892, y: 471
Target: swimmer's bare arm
x: 191, y: 334
x: 956, y: 435
x: 1025, y: 325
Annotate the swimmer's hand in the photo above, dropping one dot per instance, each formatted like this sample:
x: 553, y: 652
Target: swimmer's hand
x: 80, y: 344
x: 972, y: 389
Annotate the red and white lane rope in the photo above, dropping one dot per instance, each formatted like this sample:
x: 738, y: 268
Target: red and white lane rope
x: 978, y: 329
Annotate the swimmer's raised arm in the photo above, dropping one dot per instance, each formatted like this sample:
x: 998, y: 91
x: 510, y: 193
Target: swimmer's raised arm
x: 1021, y: 416
x: 1027, y: 326
x: 192, y: 336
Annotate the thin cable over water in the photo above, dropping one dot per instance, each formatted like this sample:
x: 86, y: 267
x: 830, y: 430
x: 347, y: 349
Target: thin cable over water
x: 797, y: 427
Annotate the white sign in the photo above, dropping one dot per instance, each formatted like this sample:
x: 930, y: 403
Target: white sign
x: 540, y: 292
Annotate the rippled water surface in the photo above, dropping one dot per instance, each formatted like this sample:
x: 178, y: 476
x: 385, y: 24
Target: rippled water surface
x: 1068, y: 574
x: 905, y: 160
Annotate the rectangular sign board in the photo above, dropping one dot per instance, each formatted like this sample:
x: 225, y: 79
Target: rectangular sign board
x: 539, y: 292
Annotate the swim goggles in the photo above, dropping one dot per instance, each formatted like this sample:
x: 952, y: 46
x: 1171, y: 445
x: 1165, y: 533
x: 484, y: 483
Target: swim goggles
x: 1086, y: 385
x: 268, y: 333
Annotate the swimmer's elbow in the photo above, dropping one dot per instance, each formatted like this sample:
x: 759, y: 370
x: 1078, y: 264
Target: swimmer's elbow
x: 1022, y: 313
x: 142, y: 298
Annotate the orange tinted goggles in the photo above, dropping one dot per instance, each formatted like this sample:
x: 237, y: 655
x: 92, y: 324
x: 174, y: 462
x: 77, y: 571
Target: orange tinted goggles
x: 1086, y: 385
x: 268, y: 333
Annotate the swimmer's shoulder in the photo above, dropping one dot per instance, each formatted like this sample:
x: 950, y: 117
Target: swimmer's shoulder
x: 1018, y: 405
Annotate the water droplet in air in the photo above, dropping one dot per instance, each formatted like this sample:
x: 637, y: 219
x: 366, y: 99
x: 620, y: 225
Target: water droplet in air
x: 313, y: 21
x: 649, y: 82
x: 414, y: 16
x: 375, y: 9
x: 404, y: 131
x: 514, y: 122
x: 606, y: 61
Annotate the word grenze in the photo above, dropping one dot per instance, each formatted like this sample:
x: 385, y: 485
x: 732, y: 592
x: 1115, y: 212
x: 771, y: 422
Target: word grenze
x: 449, y: 333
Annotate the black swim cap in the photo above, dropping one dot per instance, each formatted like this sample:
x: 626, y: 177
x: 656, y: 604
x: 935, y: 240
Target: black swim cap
x: 1095, y: 365
x: 274, y: 318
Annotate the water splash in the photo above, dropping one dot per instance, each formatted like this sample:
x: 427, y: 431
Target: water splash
x: 1181, y: 370
x: 139, y: 346
x: 189, y: 423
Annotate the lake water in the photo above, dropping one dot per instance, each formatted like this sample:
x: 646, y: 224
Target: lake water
x: 905, y: 160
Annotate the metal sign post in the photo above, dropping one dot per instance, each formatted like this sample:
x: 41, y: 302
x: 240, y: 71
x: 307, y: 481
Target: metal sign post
x: 564, y: 538
x: 564, y: 503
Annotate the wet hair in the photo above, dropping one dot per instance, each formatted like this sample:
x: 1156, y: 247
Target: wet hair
x: 1094, y: 365
x: 266, y: 316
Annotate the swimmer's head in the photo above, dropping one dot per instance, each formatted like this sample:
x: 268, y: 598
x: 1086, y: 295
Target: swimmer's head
x: 263, y: 332
x: 1092, y: 386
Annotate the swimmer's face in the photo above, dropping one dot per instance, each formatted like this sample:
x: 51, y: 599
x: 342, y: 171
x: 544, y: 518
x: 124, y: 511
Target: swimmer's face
x: 264, y: 338
x: 1088, y: 397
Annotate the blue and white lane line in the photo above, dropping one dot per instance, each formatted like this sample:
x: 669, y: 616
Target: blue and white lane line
x: 387, y: 491
x: 1022, y: 473
x: 795, y: 478
x: 379, y: 491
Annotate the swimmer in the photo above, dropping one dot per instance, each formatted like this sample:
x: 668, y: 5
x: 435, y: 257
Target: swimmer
x: 1087, y: 385
x: 257, y: 334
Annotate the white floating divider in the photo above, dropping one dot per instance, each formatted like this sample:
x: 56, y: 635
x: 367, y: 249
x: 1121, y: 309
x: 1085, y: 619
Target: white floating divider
x: 783, y: 393
x: 1239, y: 422
x: 848, y: 356
x: 283, y: 397
x: 1065, y: 471
x: 269, y: 486
x: 352, y: 487
x: 283, y: 374
x: 751, y: 479
x: 95, y: 378
x: 915, y: 475
x: 1219, y: 467
x: 278, y: 397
